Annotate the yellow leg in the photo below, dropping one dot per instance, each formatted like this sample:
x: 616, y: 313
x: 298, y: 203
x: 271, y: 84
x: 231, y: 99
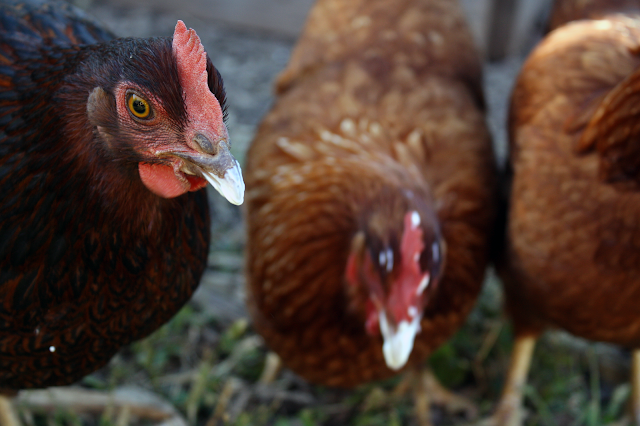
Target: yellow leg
x: 8, y: 416
x: 422, y: 400
x: 272, y: 367
x: 635, y: 387
x: 220, y: 412
x: 509, y: 410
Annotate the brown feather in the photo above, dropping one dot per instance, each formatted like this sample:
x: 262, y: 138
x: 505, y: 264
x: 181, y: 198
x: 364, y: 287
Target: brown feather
x: 573, y: 236
x: 379, y: 110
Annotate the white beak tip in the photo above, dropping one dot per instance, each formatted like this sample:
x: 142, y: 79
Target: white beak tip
x: 396, y: 353
x: 231, y: 186
x: 398, y: 343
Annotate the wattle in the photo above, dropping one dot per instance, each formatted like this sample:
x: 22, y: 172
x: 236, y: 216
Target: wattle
x: 162, y: 180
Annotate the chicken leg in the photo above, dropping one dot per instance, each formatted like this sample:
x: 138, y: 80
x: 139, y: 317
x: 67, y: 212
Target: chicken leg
x: 509, y: 410
x: 272, y: 367
x: 8, y: 416
x: 635, y: 387
x: 426, y: 391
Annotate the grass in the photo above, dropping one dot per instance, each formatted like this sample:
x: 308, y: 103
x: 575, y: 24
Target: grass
x: 208, y: 368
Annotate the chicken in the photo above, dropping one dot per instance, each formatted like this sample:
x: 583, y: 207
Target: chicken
x: 105, y: 145
x: 564, y: 11
x: 573, y: 240
x: 371, y: 191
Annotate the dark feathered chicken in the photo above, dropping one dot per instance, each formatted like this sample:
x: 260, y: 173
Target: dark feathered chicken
x: 371, y: 191
x: 104, y: 145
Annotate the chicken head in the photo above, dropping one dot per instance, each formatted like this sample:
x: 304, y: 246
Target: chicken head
x: 178, y: 137
x: 395, y: 273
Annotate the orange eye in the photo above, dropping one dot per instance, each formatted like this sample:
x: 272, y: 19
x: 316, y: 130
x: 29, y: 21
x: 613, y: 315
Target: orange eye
x: 138, y: 106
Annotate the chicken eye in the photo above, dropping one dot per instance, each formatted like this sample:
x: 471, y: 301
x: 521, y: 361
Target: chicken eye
x: 138, y: 106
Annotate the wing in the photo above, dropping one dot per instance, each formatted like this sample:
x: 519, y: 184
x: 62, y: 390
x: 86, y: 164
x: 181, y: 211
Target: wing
x: 614, y: 133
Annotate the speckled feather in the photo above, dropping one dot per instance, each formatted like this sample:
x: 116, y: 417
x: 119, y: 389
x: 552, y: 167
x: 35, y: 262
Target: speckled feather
x: 573, y: 255
x: 378, y: 104
x: 90, y: 260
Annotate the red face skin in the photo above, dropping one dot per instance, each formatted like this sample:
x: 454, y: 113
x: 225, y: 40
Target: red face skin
x: 164, y: 182
x: 205, y: 118
x: 403, y: 290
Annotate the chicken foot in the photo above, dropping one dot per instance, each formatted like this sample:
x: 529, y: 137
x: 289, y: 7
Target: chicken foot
x: 443, y: 397
x: 8, y: 416
x: 428, y: 391
x: 509, y: 410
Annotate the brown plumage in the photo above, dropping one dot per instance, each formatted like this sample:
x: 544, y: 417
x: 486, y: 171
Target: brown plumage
x: 371, y: 190
x: 98, y: 140
x: 565, y: 11
x: 572, y: 256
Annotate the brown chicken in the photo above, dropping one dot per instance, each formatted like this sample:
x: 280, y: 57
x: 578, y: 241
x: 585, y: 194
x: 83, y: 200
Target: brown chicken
x: 564, y: 11
x: 371, y: 191
x: 572, y: 257
x: 105, y: 145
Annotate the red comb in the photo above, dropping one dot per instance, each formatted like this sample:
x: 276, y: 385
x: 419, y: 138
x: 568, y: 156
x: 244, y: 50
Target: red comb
x: 203, y: 109
x: 190, y: 55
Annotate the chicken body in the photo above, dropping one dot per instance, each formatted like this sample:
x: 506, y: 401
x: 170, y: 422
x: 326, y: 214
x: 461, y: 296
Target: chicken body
x: 378, y: 129
x: 574, y: 240
x: 572, y: 257
x: 91, y: 258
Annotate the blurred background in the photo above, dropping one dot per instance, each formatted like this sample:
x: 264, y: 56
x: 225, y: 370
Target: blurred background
x: 203, y: 367
x: 514, y: 19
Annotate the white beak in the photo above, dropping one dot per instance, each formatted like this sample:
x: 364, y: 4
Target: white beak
x: 398, y: 342
x: 231, y: 186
